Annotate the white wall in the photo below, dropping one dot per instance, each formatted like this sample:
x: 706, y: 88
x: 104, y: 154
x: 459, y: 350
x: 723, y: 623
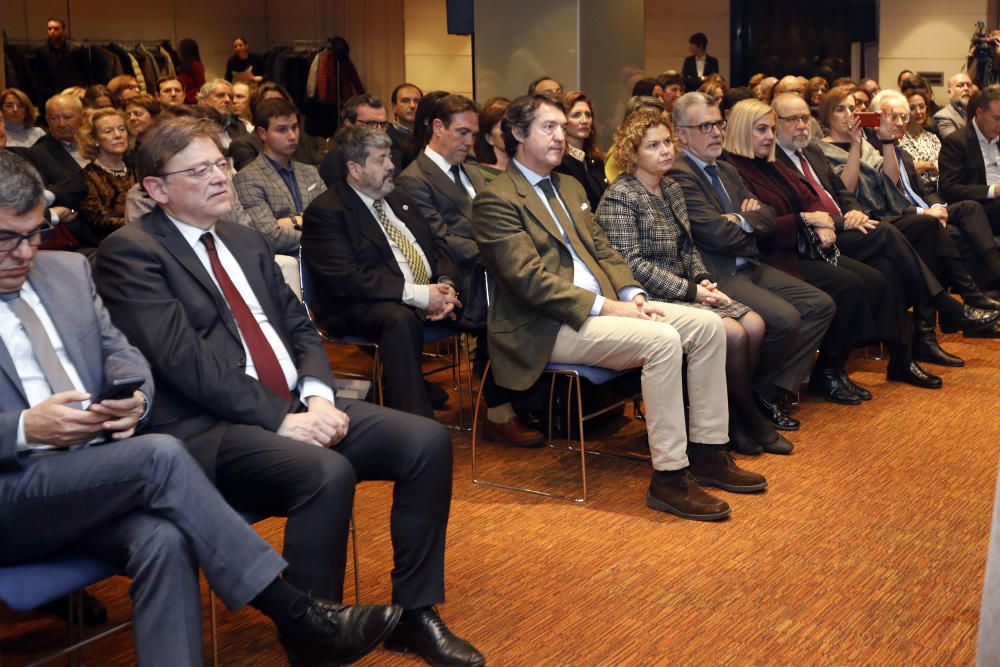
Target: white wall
x: 435, y: 60
x: 669, y: 23
x: 926, y: 35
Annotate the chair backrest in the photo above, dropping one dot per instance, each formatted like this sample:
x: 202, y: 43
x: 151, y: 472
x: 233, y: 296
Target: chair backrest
x: 308, y: 288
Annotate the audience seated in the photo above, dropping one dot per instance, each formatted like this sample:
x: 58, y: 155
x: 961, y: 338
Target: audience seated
x: 245, y: 149
x: 142, y: 111
x: 169, y: 91
x: 105, y: 138
x: 491, y: 158
x: 672, y: 84
x: 19, y: 116
x: 252, y: 396
x: 546, y: 85
x: 584, y: 159
x: 725, y: 222
x: 123, y: 88
x: 645, y: 218
x: 218, y: 94
x: 139, y: 502
x: 359, y: 110
x: 379, y: 270
x: 647, y: 87
x: 404, y: 98
x: 566, y: 296
x: 275, y: 189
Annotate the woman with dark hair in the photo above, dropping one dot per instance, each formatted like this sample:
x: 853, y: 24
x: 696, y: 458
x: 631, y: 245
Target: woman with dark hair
x: 803, y: 243
x: 190, y: 71
x: 142, y: 111
x: 489, y: 146
x: 919, y: 141
x: 583, y: 159
x: 645, y: 218
x: 97, y: 97
x: 815, y: 92
x: 248, y: 67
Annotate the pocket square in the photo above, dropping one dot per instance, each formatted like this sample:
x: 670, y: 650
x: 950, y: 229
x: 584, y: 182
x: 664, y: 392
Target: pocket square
x: 312, y: 187
x: 584, y: 206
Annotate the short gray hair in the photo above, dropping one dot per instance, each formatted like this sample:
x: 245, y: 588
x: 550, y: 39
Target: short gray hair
x: 209, y: 87
x: 888, y: 96
x: 681, y: 113
x: 21, y: 188
x: 355, y: 141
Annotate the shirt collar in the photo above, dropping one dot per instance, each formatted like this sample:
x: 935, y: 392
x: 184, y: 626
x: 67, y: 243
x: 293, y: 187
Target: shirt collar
x: 438, y: 159
x: 979, y: 135
x: 701, y: 164
x: 532, y: 177
x: 368, y: 201
x: 279, y: 168
x: 190, y: 233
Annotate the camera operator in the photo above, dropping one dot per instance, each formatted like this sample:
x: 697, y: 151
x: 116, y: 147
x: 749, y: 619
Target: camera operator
x: 983, y: 65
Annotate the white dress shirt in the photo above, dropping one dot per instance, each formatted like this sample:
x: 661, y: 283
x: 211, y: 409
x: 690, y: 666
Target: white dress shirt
x: 991, y: 158
x: 583, y: 277
x: 415, y: 296
x: 307, y: 386
x: 15, y: 339
x: 445, y: 166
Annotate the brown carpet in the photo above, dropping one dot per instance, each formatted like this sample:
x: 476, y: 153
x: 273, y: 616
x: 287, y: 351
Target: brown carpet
x: 868, y: 548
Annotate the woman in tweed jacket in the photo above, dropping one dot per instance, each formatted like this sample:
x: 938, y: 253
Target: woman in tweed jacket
x: 644, y: 216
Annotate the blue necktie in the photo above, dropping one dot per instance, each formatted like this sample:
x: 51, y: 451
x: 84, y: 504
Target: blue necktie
x: 713, y: 176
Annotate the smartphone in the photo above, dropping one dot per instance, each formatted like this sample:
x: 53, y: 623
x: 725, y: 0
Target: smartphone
x: 869, y: 118
x: 120, y: 389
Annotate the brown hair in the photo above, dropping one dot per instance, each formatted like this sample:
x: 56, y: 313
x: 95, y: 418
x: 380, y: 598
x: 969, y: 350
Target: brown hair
x: 834, y: 96
x: 492, y: 113
x: 629, y: 136
x: 590, y: 146
x: 30, y: 110
x: 168, y: 139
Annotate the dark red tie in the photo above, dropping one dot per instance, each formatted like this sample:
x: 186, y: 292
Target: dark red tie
x: 268, y: 369
x: 825, y: 199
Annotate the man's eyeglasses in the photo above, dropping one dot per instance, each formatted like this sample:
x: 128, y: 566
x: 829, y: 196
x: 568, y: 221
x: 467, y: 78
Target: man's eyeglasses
x: 706, y: 128
x: 11, y: 241
x: 202, y: 172
x: 804, y: 118
x: 377, y: 124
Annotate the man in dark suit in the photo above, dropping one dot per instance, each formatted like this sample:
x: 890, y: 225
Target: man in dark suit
x: 74, y: 476
x: 359, y: 110
x: 866, y: 240
x: 246, y: 383
x: 563, y: 294
x: 404, y: 99
x: 439, y: 185
x: 969, y: 161
x: 699, y: 64
x: 378, y: 269
x: 725, y: 219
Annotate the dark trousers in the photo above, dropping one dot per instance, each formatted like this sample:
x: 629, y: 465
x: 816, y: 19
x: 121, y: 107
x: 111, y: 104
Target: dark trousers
x: 859, y: 293
x: 970, y: 230
x: 262, y: 472
x: 400, y: 337
x: 144, y: 505
x: 796, y: 315
x: 937, y: 250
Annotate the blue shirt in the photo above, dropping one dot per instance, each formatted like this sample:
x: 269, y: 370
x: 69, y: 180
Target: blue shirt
x: 288, y: 176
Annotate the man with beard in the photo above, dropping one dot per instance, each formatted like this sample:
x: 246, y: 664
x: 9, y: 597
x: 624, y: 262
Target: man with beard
x: 954, y: 116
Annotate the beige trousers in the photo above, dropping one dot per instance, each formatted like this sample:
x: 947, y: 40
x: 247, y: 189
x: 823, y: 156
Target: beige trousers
x: 658, y: 348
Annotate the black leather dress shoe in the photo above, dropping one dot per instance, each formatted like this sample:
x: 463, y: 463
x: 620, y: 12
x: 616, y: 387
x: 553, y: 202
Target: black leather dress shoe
x: 972, y: 319
x: 781, y: 445
x: 931, y: 352
x: 328, y: 634
x: 858, y: 390
x: 787, y: 401
x: 436, y: 395
x: 913, y: 374
x: 94, y: 611
x: 981, y: 301
x: 826, y: 382
x: 422, y: 631
x: 988, y: 332
x: 742, y: 443
x: 774, y: 414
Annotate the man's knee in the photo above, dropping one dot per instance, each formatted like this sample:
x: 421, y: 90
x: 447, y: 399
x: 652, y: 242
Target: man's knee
x: 162, y: 542
x: 429, y: 445
x: 781, y: 321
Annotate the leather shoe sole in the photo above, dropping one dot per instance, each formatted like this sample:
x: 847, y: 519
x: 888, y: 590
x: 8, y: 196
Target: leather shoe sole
x: 657, y: 504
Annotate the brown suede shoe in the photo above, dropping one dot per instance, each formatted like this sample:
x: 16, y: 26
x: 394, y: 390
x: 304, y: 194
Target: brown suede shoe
x: 718, y: 469
x: 680, y: 495
x: 513, y: 432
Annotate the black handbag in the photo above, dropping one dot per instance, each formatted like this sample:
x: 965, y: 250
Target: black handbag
x: 809, y: 246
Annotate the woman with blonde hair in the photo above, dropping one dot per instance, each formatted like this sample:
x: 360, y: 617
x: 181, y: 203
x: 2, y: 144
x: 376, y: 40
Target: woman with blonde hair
x: 19, y: 116
x: 645, y: 218
x: 803, y: 243
x: 105, y: 139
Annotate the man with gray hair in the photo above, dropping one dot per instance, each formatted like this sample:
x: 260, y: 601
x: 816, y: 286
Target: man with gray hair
x: 246, y: 383
x: 218, y: 94
x: 74, y: 476
x: 378, y: 269
x: 725, y: 221
x: 954, y: 115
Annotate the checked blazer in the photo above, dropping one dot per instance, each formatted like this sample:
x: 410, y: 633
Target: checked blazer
x: 266, y: 198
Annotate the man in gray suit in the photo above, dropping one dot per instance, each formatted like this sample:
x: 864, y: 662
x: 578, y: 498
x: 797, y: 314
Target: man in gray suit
x: 275, y: 189
x: 74, y: 475
x: 954, y: 116
x: 725, y: 221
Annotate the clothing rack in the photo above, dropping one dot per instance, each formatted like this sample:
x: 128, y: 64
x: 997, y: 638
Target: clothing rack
x: 301, y: 43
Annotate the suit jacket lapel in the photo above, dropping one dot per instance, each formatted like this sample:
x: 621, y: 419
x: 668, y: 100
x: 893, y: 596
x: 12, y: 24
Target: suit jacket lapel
x: 49, y: 294
x: 277, y: 183
x: 446, y: 185
x: 533, y: 203
x: 369, y: 227
x: 178, y: 246
x: 7, y: 366
x: 706, y: 185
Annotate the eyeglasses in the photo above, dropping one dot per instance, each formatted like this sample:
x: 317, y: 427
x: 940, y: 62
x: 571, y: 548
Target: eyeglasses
x: 202, y: 172
x: 377, y: 124
x: 706, y: 128
x: 905, y: 117
x: 804, y: 118
x: 11, y: 241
